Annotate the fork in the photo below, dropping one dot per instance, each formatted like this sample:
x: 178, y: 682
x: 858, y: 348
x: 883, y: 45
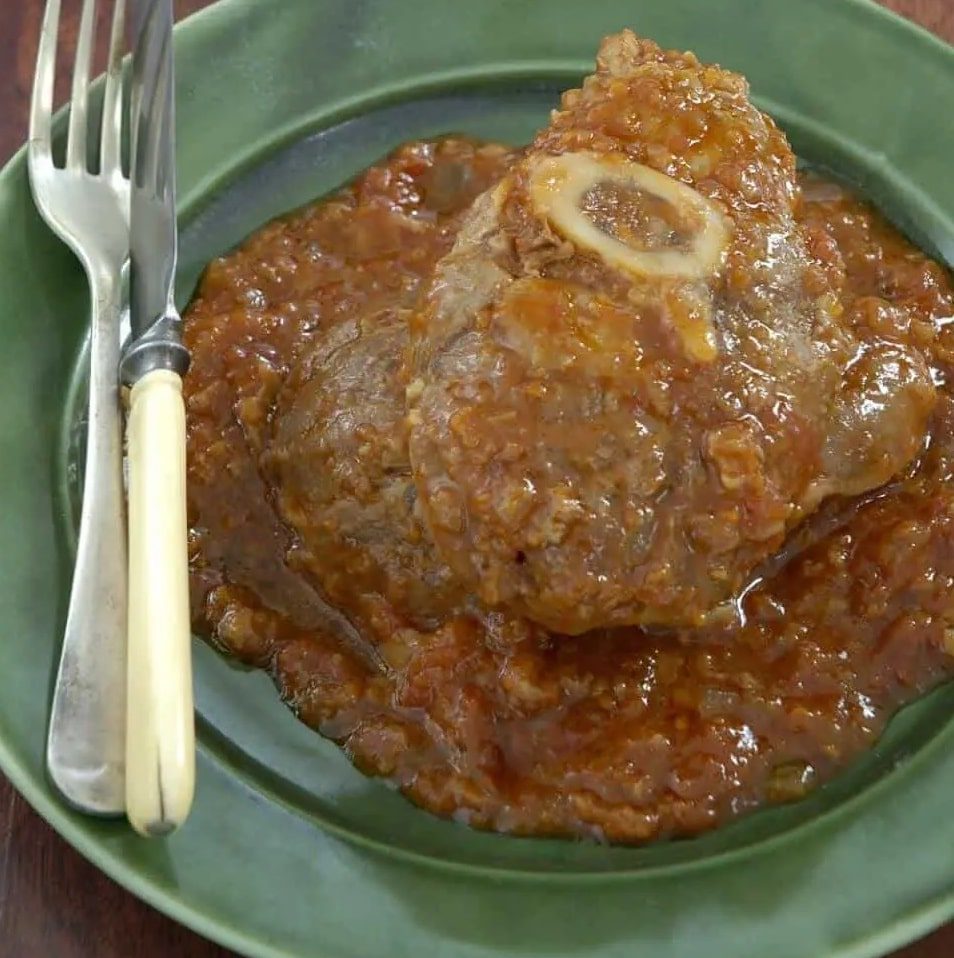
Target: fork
x: 89, y: 211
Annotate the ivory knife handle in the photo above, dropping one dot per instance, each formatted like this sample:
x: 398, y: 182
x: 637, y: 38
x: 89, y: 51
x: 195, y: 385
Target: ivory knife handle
x: 160, y: 726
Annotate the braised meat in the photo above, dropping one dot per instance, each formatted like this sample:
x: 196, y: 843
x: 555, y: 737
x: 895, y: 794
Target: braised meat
x: 632, y: 375
x: 626, y: 735
x: 332, y: 446
x: 343, y: 479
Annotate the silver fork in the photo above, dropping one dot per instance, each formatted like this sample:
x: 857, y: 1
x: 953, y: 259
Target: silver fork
x: 90, y: 213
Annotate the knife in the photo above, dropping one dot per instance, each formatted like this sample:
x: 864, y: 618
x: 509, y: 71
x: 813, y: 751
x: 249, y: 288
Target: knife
x: 160, y: 733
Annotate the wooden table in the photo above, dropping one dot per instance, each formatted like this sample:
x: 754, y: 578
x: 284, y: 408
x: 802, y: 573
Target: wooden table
x: 54, y: 904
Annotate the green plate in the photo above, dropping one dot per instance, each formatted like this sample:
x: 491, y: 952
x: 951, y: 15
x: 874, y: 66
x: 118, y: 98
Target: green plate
x: 290, y: 851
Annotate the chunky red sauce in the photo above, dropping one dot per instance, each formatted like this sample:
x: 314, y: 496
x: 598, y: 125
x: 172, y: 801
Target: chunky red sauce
x: 626, y: 734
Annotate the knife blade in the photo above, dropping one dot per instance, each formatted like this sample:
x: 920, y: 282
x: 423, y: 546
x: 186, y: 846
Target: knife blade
x: 155, y: 324
x: 160, y: 732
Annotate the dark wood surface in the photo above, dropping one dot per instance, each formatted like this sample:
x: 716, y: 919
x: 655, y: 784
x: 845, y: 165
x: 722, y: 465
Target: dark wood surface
x: 53, y: 904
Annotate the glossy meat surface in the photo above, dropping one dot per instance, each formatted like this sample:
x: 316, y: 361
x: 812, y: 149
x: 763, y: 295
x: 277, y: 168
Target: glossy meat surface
x: 632, y: 374
x: 343, y: 481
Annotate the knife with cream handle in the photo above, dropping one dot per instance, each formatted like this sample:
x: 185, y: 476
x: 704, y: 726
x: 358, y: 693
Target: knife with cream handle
x: 160, y: 735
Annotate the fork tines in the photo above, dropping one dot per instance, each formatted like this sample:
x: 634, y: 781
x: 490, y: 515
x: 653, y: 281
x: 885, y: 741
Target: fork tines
x: 41, y: 110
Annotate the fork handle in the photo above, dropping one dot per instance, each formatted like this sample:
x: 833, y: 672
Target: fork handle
x: 85, y: 742
x: 160, y: 732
